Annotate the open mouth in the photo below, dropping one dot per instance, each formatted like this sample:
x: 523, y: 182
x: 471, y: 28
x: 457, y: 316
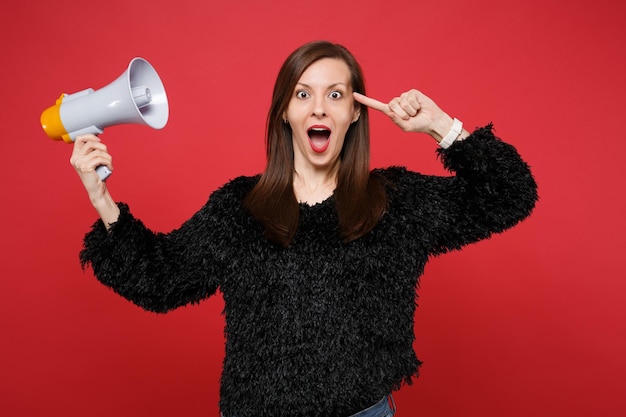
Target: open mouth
x: 319, y: 138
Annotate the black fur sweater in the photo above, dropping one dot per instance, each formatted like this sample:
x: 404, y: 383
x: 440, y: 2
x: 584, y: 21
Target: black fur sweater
x: 321, y: 328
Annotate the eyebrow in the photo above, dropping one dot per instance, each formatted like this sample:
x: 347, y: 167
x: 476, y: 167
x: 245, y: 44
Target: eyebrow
x: 330, y: 86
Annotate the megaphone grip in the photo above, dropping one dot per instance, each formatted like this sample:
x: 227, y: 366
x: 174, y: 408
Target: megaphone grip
x: 103, y: 172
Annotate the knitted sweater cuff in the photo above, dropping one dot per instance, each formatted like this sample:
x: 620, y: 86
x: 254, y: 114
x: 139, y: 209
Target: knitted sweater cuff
x: 100, y: 243
x: 471, y: 154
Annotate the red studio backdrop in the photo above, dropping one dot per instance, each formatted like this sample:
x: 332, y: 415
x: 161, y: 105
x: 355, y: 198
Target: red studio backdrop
x: 529, y: 323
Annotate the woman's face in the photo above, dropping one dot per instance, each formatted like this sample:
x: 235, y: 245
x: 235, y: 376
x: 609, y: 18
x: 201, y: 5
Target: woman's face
x: 320, y: 112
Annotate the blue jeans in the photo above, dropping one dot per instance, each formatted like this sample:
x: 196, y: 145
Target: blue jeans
x: 386, y: 407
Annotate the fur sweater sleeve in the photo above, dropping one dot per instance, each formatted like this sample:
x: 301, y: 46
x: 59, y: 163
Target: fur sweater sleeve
x: 492, y: 189
x: 163, y: 271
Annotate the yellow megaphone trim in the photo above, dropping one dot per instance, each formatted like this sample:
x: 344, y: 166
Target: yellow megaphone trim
x: 52, y: 124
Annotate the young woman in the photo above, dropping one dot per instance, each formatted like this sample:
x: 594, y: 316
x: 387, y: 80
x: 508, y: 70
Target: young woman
x: 318, y: 257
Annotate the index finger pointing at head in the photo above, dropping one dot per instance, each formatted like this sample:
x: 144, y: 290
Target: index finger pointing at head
x: 370, y: 102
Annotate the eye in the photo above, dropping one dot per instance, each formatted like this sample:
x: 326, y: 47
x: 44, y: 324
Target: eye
x: 302, y: 94
x: 335, y: 95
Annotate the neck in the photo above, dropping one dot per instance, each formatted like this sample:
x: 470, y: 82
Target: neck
x: 314, y: 186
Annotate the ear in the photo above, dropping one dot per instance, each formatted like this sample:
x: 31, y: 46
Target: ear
x: 357, y: 112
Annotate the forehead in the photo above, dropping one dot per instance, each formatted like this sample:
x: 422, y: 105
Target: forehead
x: 326, y: 71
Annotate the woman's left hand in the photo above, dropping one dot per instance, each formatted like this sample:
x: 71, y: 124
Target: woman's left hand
x: 412, y: 112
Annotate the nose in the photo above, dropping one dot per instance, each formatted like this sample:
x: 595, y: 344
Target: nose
x: 318, y: 107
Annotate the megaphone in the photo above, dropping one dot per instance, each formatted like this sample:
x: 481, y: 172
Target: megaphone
x: 135, y: 97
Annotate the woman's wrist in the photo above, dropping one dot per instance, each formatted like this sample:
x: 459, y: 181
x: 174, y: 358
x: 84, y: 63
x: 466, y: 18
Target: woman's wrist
x: 107, y: 209
x: 440, y: 127
x: 447, y: 130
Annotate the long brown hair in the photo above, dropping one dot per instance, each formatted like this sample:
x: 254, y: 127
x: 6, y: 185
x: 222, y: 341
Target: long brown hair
x: 360, y: 197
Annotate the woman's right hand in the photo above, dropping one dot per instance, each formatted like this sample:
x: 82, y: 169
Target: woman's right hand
x: 89, y: 153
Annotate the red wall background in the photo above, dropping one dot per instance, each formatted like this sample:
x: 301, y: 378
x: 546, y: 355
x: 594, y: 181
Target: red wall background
x: 529, y: 323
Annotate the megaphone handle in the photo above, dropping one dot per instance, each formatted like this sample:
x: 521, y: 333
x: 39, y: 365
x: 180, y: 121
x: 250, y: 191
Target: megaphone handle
x: 103, y: 172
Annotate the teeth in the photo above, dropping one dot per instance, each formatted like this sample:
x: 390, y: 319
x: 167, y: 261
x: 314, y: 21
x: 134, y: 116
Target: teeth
x: 319, y: 131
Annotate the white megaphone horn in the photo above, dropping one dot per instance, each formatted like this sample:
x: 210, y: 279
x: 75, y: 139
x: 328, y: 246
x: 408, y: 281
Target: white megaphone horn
x: 136, y: 97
